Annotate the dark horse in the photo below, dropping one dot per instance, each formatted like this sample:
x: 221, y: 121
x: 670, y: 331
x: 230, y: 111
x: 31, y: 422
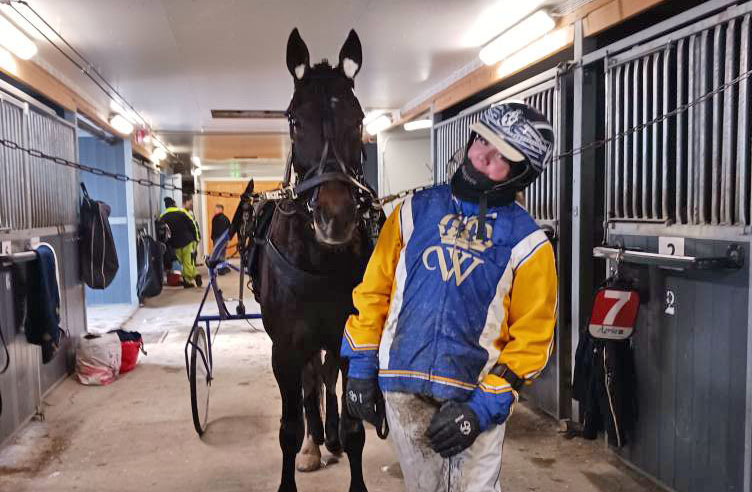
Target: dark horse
x: 317, y: 250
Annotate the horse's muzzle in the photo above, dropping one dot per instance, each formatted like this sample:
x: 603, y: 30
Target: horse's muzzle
x: 334, y: 232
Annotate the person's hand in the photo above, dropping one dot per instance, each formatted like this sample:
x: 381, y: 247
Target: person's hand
x: 453, y: 429
x: 362, y: 398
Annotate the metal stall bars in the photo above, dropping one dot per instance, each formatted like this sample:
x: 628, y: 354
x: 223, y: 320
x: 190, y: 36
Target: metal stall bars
x: 543, y: 199
x: 677, y: 182
x: 14, y: 189
x: 146, y: 198
x: 38, y: 202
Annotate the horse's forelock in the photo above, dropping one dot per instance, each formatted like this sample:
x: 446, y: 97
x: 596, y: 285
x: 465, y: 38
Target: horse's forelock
x: 322, y: 73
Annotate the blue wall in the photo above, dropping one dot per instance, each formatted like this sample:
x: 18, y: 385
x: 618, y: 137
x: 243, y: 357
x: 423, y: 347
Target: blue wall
x: 119, y: 196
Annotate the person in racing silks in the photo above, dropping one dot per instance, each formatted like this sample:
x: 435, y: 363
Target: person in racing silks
x: 456, y: 310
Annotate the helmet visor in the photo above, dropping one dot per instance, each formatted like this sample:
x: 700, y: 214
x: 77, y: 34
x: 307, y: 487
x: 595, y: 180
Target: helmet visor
x: 506, y: 150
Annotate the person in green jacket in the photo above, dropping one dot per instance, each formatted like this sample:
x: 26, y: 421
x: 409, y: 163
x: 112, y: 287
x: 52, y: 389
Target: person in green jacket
x: 183, y: 238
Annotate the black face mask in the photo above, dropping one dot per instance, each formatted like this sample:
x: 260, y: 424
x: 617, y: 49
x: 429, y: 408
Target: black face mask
x: 470, y: 184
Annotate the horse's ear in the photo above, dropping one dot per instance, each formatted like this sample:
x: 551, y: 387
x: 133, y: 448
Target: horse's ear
x: 297, y: 55
x: 351, y: 55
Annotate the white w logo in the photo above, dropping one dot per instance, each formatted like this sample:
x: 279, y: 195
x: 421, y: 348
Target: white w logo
x: 458, y: 258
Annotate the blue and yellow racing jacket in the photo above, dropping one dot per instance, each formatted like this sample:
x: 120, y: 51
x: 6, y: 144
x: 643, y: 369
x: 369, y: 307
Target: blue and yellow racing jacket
x: 438, y: 307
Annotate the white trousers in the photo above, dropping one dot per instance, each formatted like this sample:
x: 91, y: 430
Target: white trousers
x: 476, y: 469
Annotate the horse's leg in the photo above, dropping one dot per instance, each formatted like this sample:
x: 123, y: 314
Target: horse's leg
x: 309, y: 458
x: 353, y: 437
x: 288, y: 372
x: 330, y: 373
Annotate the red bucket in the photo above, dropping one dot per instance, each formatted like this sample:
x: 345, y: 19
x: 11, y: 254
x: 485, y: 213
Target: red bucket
x: 129, y: 355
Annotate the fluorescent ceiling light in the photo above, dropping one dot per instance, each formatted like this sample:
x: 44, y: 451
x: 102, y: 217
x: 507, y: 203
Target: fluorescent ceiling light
x: 379, y: 124
x: 417, y: 125
x: 517, y: 37
x: 196, y: 160
x: 158, y: 154
x: 121, y: 124
x: 15, y: 41
x: 497, y: 18
x: 7, y: 62
x: 537, y: 50
x: 372, y: 115
x: 129, y: 115
x: 17, y: 15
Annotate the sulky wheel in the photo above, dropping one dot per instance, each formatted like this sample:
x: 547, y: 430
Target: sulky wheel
x: 200, y: 380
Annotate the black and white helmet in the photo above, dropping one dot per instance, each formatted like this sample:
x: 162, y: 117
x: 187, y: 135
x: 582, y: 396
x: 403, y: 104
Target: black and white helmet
x: 523, y: 136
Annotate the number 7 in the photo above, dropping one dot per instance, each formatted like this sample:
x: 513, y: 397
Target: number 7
x: 622, y: 297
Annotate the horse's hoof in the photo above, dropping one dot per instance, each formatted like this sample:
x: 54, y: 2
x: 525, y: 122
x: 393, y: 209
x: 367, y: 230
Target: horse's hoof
x: 358, y: 488
x: 334, y: 447
x: 309, y: 458
x: 307, y: 462
x: 287, y: 488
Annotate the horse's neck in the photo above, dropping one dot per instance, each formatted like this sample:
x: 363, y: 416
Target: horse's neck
x: 296, y: 240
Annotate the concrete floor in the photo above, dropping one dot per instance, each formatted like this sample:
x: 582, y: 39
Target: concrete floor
x: 137, y: 434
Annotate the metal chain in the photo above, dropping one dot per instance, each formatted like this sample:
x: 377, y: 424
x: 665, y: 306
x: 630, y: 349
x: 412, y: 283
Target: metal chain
x: 602, y: 142
x: 278, y: 194
x: 288, y: 192
x: 679, y: 109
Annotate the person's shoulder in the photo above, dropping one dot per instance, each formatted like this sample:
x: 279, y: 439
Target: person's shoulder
x: 437, y: 192
x: 523, y: 224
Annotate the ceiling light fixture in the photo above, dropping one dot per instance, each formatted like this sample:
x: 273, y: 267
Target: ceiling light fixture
x: 121, y: 124
x: 20, y: 15
x: 158, y: 154
x: 517, y: 37
x: 115, y: 107
x: 372, y: 115
x: 496, y: 19
x: 15, y: 41
x: 537, y: 50
x: 379, y: 124
x: 411, y: 126
x: 7, y: 62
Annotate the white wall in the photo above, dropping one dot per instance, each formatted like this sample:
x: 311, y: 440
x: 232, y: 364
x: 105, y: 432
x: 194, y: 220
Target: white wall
x: 404, y: 161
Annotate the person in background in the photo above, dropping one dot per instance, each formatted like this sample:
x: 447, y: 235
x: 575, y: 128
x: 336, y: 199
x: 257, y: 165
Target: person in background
x: 183, y: 238
x: 188, y: 206
x: 456, y: 311
x: 220, y: 223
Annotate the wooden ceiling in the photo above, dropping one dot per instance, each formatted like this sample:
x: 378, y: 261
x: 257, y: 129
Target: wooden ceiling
x: 241, y: 146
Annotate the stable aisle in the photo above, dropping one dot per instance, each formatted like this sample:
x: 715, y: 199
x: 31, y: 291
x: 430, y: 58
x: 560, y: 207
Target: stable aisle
x: 137, y: 434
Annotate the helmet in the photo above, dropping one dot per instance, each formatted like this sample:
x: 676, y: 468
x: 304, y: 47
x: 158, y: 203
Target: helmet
x: 522, y: 135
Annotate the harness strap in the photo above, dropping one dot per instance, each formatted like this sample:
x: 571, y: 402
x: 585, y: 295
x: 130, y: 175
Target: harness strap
x: 315, y: 181
x: 278, y: 259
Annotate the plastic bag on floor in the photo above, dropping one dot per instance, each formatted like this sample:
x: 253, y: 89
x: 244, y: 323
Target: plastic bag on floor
x: 98, y: 359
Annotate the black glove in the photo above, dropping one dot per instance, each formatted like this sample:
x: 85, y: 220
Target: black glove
x: 362, y: 398
x: 453, y: 428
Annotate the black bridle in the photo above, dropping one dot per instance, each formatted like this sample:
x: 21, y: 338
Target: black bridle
x: 331, y: 166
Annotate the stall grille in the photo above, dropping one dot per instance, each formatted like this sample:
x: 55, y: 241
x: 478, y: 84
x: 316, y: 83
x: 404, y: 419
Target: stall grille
x: 692, y: 168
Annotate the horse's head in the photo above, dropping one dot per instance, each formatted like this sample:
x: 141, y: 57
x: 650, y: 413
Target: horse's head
x: 325, y: 128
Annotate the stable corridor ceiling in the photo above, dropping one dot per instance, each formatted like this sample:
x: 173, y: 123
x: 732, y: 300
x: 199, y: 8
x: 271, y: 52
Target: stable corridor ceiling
x: 176, y: 60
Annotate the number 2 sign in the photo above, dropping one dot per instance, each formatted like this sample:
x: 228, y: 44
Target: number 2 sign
x: 614, y: 314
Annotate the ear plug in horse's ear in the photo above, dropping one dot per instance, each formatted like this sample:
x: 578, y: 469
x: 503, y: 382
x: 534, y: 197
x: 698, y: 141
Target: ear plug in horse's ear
x: 298, y: 59
x: 351, y: 55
